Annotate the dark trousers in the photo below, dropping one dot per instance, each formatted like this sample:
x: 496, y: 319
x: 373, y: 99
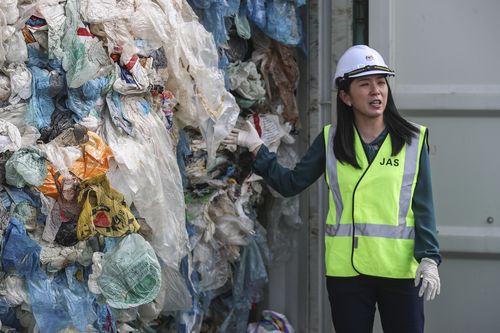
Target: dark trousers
x: 353, y: 299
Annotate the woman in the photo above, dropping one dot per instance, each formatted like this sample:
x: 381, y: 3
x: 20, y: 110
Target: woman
x: 380, y: 240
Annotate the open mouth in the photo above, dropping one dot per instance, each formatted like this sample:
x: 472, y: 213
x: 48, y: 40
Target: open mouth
x: 376, y: 102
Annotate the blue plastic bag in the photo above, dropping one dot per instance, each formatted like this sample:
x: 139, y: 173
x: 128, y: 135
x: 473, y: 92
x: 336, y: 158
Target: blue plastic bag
x: 82, y: 100
x: 20, y: 253
x: 249, y: 281
x: 277, y: 18
x: 183, y: 150
x: 213, y: 14
x: 62, y: 301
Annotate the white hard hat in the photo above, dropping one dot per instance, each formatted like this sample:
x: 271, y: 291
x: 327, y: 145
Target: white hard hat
x: 361, y: 60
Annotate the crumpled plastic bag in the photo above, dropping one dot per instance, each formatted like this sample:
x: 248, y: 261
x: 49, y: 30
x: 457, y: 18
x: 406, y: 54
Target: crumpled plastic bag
x: 173, y: 295
x: 7, y: 31
x: 41, y: 104
x: 94, y: 161
x: 20, y: 82
x: 9, y: 9
x: 84, y: 55
x: 96, y: 272
x: 61, y: 302
x: 249, y: 280
x: 104, y: 210
x: 88, y: 98
x: 61, y: 158
x: 118, y: 115
x: 131, y: 76
x: 12, y: 290
x: 105, y: 319
x: 20, y: 253
x: 131, y: 81
x: 232, y: 227
x: 15, y: 48
x: 4, y: 88
x: 213, y: 268
x: 245, y: 80
x: 54, y: 14
x: 10, y: 138
x: 29, y: 136
x: 277, y: 61
x: 56, y: 257
x: 214, y: 14
x: 242, y: 24
x: 271, y: 322
x: 131, y: 273
x: 12, y: 196
x: 61, y: 224
x: 99, y: 11
x: 195, y: 78
x: 27, y: 166
x: 220, y: 226
x: 278, y: 19
x: 60, y: 120
x: 152, y: 149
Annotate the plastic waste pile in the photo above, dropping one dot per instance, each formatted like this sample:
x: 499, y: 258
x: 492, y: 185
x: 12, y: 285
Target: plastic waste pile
x: 119, y: 209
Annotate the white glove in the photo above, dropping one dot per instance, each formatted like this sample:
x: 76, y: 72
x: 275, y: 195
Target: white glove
x: 427, y: 271
x: 248, y: 137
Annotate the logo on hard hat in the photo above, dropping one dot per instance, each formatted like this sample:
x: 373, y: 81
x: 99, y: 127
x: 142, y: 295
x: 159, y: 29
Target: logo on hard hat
x: 369, y: 57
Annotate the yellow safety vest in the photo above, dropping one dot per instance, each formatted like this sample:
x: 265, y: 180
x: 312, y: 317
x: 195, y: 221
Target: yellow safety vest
x: 370, y: 227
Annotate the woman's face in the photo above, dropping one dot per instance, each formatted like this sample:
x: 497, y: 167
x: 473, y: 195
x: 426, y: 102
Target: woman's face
x: 367, y: 96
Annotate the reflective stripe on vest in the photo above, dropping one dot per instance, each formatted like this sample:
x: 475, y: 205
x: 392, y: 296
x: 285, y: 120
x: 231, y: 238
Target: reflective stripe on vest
x: 401, y: 231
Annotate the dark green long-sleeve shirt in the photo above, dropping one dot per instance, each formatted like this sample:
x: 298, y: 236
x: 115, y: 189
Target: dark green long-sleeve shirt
x: 291, y: 182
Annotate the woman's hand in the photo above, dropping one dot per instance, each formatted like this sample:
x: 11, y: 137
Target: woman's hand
x: 427, y: 271
x: 247, y: 137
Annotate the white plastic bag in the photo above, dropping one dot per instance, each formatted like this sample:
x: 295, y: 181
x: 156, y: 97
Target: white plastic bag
x: 62, y: 158
x: 194, y: 76
x: 13, y: 289
x: 148, y: 161
x: 14, y: 114
x: 9, y: 8
x: 84, y: 55
x: 246, y: 81
x: 99, y: 11
x: 15, y: 48
x: 30, y: 135
x: 4, y: 88
x: 54, y: 14
x: 137, y: 83
x: 10, y: 137
x: 20, y: 82
x: 96, y: 272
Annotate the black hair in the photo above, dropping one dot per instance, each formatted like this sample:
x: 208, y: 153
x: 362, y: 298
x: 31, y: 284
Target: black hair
x: 400, y: 130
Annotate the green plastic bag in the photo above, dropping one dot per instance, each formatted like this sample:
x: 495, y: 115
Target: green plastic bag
x: 131, y: 273
x: 27, y: 166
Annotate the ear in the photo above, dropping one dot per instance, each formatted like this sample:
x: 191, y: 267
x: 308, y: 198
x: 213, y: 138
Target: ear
x: 345, y: 97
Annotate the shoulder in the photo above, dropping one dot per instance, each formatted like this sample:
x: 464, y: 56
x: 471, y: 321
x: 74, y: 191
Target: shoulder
x: 328, y: 128
x: 421, y: 128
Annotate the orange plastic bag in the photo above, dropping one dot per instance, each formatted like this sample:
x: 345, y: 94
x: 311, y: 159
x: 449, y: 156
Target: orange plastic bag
x: 94, y: 162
